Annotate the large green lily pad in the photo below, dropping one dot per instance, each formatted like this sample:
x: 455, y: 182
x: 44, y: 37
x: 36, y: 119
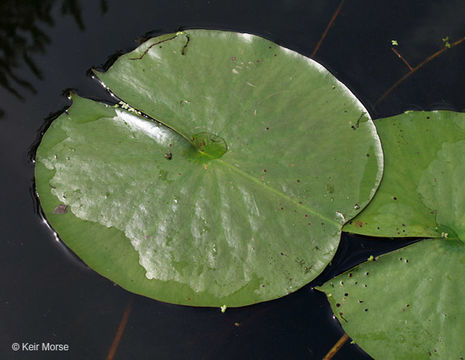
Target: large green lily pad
x: 407, y: 304
x: 422, y: 191
x: 236, y: 196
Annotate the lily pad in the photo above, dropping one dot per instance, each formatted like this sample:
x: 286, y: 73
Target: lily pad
x: 421, y: 193
x: 236, y: 194
x: 407, y: 304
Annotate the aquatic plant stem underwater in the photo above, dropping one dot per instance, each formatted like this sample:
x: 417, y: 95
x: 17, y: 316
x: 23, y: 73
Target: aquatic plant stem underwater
x: 340, y: 343
x: 402, y: 58
x: 330, y: 24
x: 416, y: 68
x: 120, y: 331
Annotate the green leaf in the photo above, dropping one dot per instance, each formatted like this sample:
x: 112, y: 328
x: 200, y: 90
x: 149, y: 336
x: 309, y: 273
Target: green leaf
x: 238, y: 197
x: 407, y: 304
x: 421, y: 193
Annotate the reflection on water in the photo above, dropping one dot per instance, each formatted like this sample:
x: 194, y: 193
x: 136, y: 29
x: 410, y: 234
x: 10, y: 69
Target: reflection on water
x: 23, y: 26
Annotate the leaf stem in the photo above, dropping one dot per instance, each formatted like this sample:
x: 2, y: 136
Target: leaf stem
x: 336, y: 347
x: 336, y: 13
x: 120, y: 331
x: 402, y: 58
x: 413, y: 70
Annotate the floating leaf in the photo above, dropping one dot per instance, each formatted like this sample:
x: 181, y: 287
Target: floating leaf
x: 237, y: 196
x: 407, y: 304
x: 422, y: 191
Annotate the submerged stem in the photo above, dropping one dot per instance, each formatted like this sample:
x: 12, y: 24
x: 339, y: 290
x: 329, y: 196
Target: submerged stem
x: 336, y: 347
x: 336, y: 13
x: 413, y: 70
x: 120, y: 331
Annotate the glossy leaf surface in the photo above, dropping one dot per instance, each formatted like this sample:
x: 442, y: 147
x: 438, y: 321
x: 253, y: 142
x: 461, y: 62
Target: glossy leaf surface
x: 407, y: 304
x: 239, y: 197
x: 421, y: 193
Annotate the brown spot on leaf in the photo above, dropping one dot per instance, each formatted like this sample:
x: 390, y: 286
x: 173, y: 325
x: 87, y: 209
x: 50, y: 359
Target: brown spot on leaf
x: 61, y: 209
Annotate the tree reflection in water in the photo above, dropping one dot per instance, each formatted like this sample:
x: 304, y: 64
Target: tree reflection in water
x: 22, y: 35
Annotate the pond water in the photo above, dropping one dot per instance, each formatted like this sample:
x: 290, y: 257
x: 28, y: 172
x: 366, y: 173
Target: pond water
x: 48, y: 295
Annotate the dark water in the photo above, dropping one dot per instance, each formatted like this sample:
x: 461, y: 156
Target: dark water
x: 46, y: 46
